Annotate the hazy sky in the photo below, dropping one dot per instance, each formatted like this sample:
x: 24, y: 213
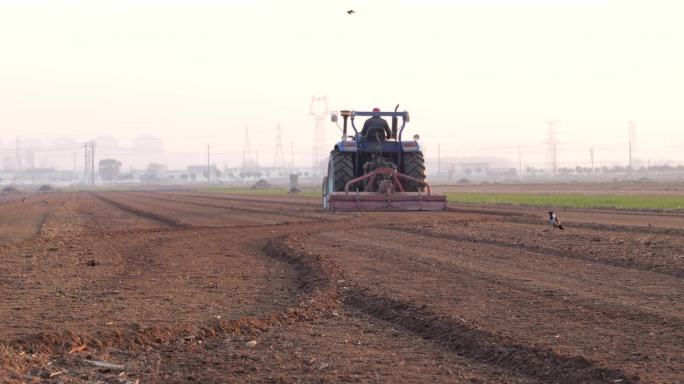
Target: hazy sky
x: 478, y: 76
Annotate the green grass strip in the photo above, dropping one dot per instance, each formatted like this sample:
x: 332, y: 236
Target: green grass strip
x: 572, y: 201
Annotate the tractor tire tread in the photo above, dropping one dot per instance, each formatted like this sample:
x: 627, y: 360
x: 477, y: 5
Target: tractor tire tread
x: 414, y: 166
x: 343, y: 169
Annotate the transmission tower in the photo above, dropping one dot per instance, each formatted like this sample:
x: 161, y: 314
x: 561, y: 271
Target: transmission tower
x: 553, y: 146
x: 279, y: 159
x: 319, y: 110
x: 246, y: 151
x: 632, y: 142
x: 89, y: 158
x: 86, y: 159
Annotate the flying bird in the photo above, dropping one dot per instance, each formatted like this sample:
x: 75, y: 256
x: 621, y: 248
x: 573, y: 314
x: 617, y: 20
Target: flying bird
x: 349, y: 12
x: 553, y: 220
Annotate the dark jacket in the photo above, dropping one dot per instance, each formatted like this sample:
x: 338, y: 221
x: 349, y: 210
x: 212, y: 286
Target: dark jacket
x: 376, y: 128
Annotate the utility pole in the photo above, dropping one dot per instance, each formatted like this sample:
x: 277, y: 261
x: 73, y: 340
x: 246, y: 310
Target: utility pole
x: 439, y: 160
x: 92, y: 163
x: 519, y: 162
x: 291, y: 156
x: 208, y: 166
x: 553, y: 146
x: 591, y: 155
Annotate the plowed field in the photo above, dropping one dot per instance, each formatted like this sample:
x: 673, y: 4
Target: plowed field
x: 175, y: 287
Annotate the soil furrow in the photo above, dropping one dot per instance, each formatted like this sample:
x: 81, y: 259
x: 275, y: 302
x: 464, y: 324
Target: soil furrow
x: 189, y: 201
x: 142, y: 213
x: 607, y: 227
x: 575, y: 319
x: 477, y: 344
x: 624, y: 263
x: 538, y: 363
x: 178, y: 286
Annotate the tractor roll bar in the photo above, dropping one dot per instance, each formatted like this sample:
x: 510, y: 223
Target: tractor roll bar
x: 403, y: 114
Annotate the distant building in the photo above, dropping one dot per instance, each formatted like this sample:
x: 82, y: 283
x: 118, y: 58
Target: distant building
x: 43, y: 176
x: 199, y: 173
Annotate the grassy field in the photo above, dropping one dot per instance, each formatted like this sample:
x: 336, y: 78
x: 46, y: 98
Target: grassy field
x: 572, y: 200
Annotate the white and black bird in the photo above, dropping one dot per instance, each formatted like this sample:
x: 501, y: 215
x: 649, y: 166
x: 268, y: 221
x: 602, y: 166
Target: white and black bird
x: 553, y: 220
x: 349, y: 12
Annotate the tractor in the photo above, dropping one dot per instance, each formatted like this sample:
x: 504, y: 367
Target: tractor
x: 368, y: 172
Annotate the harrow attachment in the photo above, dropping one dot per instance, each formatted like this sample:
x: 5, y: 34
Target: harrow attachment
x: 381, y: 190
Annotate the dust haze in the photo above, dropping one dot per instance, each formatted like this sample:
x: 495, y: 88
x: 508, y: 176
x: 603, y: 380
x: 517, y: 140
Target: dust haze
x: 584, y: 89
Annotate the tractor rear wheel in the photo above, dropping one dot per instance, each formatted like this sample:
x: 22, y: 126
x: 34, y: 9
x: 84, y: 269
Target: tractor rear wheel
x: 414, y: 166
x: 340, y: 170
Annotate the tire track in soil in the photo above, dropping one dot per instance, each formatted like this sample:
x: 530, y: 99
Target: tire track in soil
x: 270, y: 200
x: 198, y: 216
x: 312, y: 293
x: 134, y: 338
x: 481, y: 346
x: 468, y: 341
x: 21, y: 211
x: 556, y: 252
x: 303, y: 208
x: 280, y: 212
x: 321, y: 293
x: 317, y: 296
x: 165, y: 220
x: 617, y: 335
x: 173, y: 227
x: 600, y: 305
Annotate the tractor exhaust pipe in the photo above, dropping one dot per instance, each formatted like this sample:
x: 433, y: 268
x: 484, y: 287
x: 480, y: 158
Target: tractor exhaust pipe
x: 394, y: 124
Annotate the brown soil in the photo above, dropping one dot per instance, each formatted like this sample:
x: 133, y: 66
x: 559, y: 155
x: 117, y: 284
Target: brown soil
x: 195, y: 287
